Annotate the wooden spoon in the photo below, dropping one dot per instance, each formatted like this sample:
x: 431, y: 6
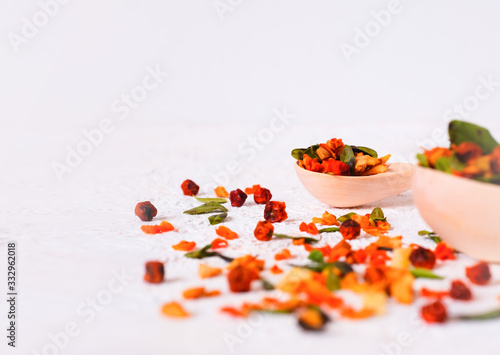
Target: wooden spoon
x: 352, y: 191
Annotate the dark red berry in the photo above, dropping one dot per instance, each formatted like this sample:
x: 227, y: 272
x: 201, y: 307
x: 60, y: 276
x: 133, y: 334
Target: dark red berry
x: 460, y: 291
x: 479, y: 274
x: 155, y: 272
x: 434, y: 312
x: 145, y: 211
x: 237, y: 198
x: 350, y: 229
x: 262, y: 196
x: 189, y: 188
x: 422, y: 257
x: 275, y: 212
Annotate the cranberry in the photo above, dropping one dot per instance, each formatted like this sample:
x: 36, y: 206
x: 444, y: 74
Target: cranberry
x: 460, y: 291
x: 145, y: 211
x: 350, y: 229
x: 237, y: 198
x: 422, y: 257
x: 262, y: 196
x: 264, y: 231
x: 479, y: 274
x: 189, y: 188
x: 434, y: 312
x: 275, y: 212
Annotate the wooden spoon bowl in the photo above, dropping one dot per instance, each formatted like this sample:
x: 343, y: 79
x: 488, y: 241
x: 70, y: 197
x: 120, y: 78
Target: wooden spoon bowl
x: 352, y: 191
x: 463, y: 212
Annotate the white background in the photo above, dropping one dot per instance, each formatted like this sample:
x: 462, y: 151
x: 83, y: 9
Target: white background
x: 227, y: 77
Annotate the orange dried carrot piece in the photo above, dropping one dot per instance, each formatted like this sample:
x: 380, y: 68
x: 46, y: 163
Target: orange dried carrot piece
x: 226, y: 233
x: 299, y: 241
x: 198, y: 292
x: 184, y: 246
x: 220, y: 191
x: 424, y: 292
x: 353, y: 314
x: 283, y: 255
x: 251, y: 190
x: 205, y: 271
x: 327, y: 219
x: 309, y: 228
x: 164, y: 226
x: 276, y: 270
x: 218, y: 243
x: 174, y: 309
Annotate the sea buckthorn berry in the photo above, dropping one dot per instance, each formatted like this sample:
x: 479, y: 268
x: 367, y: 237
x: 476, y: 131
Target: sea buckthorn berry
x: 350, y: 229
x: 190, y: 188
x: 422, y: 257
x: 460, y: 291
x: 262, y: 196
x: 275, y: 212
x: 264, y: 231
x: 155, y: 272
x: 145, y: 211
x: 434, y: 312
x: 239, y: 279
x: 237, y: 198
x: 479, y: 274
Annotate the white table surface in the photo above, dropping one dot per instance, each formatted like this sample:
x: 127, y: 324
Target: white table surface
x: 73, y: 236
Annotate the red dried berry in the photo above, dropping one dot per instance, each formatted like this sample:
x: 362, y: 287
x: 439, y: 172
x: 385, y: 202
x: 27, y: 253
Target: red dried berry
x: 240, y: 279
x: 422, y: 257
x: 275, y: 212
x: 434, y: 312
x: 189, y: 188
x: 264, y: 231
x: 155, y: 272
x: 479, y: 274
x: 237, y: 198
x: 350, y: 229
x: 262, y: 196
x: 145, y: 211
x: 460, y: 291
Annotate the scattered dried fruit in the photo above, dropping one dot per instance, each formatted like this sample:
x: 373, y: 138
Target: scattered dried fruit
x: 282, y: 255
x: 226, y: 233
x: 460, y: 291
x: 275, y: 212
x: 237, y: 198
x: 350, y: 229
x: 198, y: 292
x: 276, y: 270
x: 184, y: 246
x: 308, y: 228
x: 327, y: 219
x: 264, y: 231
x: 262, y: 196
x: 422, y: 257
x: 434, y: 312
x: 240, y: 278
x: 174, y: 309
x: 312, y: 319
x: 444, y: 252
x: 145, y: 211
x: 479, y: 274
x: 189, y: 188
x: 251, y: 190
x: 164, y: 226
x: 220, y: 191
x: 218, y: 243
x: 205, y: 271
x: 155, y: 272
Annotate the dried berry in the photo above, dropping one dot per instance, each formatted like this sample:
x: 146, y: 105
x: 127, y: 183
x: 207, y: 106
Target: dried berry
x: 275, y: 212
x: 190, y: 188
x: 237, y: 198
x: 313, y: 319
x: 422, y: 257
x: 350, y: 229
x: 145, y: 211
x: 460, y: 291
x: 444, y: 252
x: 262, y: 196
x: 264, y: 231
x: 155, y: 272
x: 434, y: 312
x: 479, y: 274
x: 240, y: 278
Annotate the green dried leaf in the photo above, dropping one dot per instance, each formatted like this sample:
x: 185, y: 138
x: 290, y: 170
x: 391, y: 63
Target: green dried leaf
x: 424, y: 273
x: 332, y: 281
x: 328, y: 230
x: 298, y: 153
x: 364, y: 150
x: 456, y: 164
x: 461, y: 131
x: 422, y: 159
x: 342, y: 266
x: 266, y: 285
x: 345, y: 217
x: 316, y: 256
x: 210, y: 207
x: 307, y: 240
x: 482, y: 316
x: 495, y: 179
x: 436, y: 239
x: 217, y: 218
x: 377, y: 215
x: 443, y: 164
x: 211, y: 199
x: 424, y: 232
x: 204, y: 253
x: 431, y: 235
x: 347, y: 157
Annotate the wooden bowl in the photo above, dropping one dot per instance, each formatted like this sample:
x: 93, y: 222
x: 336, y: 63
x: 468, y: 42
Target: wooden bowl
x: 463, y: 212
x: 352, y: 191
